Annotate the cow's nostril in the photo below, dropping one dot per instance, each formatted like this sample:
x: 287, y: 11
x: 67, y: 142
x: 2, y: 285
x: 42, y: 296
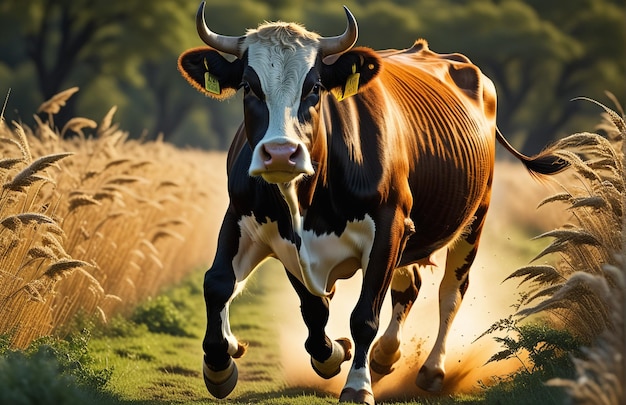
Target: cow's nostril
x: 267, y: 157
x: 297, y: 154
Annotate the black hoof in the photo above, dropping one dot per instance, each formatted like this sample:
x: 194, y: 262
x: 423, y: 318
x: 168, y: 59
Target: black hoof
x: 357, y: 397
x: 381, y: 369
x: 223, y: 382
x: 347, y: 355
x: 430, y: 380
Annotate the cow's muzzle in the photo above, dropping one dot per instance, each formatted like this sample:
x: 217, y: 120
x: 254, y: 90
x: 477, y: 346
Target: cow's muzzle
x: 280, y: 162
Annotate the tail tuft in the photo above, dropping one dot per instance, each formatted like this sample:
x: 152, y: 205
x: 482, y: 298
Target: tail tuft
x: 546, y: 162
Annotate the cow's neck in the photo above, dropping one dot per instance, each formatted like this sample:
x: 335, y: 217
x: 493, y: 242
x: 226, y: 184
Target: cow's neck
x: 290, y: 194
x: 316, y: 285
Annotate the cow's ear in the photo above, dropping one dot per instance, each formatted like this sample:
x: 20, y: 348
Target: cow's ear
x: 210, y: 73
x: 350, y: 72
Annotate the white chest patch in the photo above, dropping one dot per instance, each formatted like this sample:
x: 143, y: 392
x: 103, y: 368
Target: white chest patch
x: 321, y: 260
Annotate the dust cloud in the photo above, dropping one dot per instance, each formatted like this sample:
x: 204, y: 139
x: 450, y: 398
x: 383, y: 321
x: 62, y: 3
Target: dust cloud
x: 488, y: 299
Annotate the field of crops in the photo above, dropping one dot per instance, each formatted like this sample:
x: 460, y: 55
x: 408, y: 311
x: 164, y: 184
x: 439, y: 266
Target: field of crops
x: 96, y: 225
x: 91, y: 227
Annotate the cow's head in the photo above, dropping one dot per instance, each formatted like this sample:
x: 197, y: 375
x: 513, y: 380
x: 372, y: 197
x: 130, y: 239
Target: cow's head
x: 284, y: 71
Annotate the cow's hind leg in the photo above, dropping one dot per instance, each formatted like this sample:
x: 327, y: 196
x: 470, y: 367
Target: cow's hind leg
x: 451, y: 292
x: 405, y: 286
x: 326, y: 355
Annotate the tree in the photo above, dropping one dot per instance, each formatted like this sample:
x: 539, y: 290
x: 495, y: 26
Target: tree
x: 540, y: 55
x: 75, y: 42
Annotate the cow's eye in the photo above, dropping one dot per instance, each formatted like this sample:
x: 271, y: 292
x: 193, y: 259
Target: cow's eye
x: 315, y: 90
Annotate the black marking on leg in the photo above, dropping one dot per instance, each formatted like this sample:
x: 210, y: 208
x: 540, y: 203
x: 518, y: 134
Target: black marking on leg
x: 469, y: 259
x: 463, y: 286
x: 315, y: 314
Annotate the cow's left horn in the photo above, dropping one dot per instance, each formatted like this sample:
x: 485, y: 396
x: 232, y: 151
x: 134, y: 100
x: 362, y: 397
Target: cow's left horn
x: 222, y: 43
x: 343, y: 42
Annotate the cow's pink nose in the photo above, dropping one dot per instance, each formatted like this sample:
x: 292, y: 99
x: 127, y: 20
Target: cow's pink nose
x: 281, y: 156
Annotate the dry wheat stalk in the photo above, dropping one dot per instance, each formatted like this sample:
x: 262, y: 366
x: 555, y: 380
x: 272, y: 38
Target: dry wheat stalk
x: 8, y: 163
x: 63, y: 267
x: 105, y: 125
x: 28, y: 176
x: 23, y: 142
x: 54, y: 104
x: 77, y: 125
x: 587, y: 287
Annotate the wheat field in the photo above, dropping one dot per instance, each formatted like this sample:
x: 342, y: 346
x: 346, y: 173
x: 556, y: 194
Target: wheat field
x: 92, y: 225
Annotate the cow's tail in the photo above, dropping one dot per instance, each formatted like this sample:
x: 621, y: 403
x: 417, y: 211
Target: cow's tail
x: 545, y: 162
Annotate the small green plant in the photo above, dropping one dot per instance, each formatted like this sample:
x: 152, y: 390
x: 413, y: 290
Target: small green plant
x: 73, y: 358
x: 120, y: 326
x: 160, y: 315
x: 50, y: 370
x: 543, y: 352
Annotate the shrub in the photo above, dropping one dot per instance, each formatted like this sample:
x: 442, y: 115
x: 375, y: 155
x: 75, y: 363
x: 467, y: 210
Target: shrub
x: 50, y: 371
x: 544, y: 353
x: 160, y: 315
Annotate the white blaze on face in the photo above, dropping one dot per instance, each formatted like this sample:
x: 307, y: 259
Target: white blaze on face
x: 282, y: 71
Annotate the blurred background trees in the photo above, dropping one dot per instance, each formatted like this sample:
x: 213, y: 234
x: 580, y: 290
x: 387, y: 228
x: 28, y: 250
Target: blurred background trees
x: 540, y: 54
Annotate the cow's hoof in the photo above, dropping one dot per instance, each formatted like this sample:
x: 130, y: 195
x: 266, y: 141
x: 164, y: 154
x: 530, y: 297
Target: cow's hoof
x: 430, y: 380
x: 357, y: 396
x: 220, y: 383
x: 241, y: 350
x: 332, y: 366
x: 382, y: 362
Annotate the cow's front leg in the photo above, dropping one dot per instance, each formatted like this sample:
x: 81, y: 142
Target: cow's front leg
x: 326, y: 355
x: 220, y: 345
x: 222, y: 282
x: 388, y: 243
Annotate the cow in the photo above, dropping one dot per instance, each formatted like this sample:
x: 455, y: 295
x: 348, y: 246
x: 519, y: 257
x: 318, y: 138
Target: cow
x: 347, y: 159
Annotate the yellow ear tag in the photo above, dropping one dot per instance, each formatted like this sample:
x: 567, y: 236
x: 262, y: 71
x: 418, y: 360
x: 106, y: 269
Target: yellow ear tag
x: 211, y: 84
x: 352, y: 86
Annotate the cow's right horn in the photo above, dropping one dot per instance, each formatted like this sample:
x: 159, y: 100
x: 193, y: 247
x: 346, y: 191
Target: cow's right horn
x: 222, y: 43
x: 342, y: 43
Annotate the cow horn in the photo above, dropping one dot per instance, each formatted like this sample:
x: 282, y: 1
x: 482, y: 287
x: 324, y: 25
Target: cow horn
x: 343, y: 42
x: 222, y: 43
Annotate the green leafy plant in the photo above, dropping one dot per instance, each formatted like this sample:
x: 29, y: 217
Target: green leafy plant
x: 160, y: 315
x: 73, y: 358
x: 544, y: 353
x: 50, y: 370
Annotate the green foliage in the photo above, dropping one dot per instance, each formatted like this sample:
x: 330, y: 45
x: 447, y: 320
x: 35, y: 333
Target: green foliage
x: 50, y: 371
x: 120, y: 326
x: 544, y: 352
x: 160, y: 315
x: 73, y: 357
x: 37, y: 379
x: 548, y: 350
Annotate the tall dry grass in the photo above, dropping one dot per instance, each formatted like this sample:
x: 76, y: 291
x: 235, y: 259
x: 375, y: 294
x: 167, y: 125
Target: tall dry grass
x: 94, y: 225
x: 585, y: 290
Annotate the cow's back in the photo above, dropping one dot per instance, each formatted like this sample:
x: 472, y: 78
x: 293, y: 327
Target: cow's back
x: 448, y: 111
